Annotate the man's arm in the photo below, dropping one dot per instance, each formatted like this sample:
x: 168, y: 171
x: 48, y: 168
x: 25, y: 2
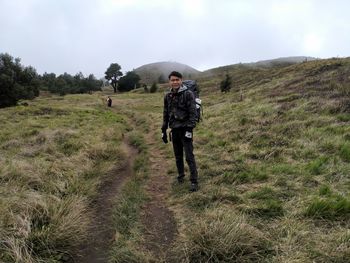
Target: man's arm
x: 165, y: 114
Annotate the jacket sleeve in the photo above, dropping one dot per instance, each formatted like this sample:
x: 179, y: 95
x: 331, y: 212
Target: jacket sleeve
x: 191, y: 104
x: 165, y: 114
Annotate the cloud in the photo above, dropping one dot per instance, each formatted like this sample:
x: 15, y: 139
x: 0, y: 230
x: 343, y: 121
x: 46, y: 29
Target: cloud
x: 75, y: 35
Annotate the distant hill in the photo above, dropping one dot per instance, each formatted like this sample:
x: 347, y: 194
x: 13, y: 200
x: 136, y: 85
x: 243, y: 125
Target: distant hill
x: 278, y: 62
x: 150, y: 73
x: 285, y: 61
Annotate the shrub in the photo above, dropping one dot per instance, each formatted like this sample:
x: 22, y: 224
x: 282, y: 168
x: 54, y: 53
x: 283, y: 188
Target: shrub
x: 153, y: 88
x: 225, y: 85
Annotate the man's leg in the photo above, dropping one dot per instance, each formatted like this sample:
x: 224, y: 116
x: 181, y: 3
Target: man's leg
x: 190, y: 159
x: 178, y: 152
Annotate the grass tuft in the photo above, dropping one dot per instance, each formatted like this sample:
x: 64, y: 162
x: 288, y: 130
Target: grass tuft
x: 345, y: 152
x: 219, y: 236
x: 331, y: 208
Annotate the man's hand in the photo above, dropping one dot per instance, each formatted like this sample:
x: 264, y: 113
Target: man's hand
x: 164, y: 136
x: 188, y: 133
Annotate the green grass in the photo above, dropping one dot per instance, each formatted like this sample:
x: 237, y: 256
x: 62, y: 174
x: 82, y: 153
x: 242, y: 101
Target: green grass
x: 54, y: 155
x: 223, y: 237
x: 345, y: 152
x: 331, y: 208
x: 280, y: 156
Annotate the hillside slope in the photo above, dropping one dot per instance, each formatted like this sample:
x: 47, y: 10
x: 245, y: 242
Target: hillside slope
x: 271, y: 63
x: 274, y: 163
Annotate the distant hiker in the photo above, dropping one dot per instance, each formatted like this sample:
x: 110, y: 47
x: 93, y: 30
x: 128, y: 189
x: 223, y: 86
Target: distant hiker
x: 109, y: 101
x: 180, y: 115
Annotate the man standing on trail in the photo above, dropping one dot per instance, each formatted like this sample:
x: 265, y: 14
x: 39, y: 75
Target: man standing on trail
x: 109, y: 101
x: 180, y: 115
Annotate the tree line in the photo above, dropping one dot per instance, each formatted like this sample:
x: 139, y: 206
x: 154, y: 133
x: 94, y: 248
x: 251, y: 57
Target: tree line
x: 20, y: 82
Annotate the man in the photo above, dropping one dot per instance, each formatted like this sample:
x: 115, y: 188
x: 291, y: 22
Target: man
x: 109, y: 101
x: 180, y: 115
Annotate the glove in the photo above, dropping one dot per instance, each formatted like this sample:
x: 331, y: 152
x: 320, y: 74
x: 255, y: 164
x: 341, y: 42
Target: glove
x: 164, y: 136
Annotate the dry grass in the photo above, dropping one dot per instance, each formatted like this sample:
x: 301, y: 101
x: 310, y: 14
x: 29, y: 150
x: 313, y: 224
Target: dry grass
x: 273, y: 167
x: 271, y: 157
x: 218, y: 236
x: 54, y: 154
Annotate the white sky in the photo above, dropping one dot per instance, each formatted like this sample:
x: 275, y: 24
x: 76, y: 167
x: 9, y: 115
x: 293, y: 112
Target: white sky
x: 88, y: 35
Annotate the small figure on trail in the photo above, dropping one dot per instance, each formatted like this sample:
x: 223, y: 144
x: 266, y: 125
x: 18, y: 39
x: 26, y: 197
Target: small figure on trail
x: 109, y: 101
x: 180, y: 115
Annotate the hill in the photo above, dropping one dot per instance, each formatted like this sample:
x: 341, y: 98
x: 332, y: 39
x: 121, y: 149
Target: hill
x: 150, y: 73
x: 278, y: 62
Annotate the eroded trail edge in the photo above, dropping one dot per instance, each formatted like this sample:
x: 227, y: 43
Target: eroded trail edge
x: 101, y: 232
x: 158, y: 220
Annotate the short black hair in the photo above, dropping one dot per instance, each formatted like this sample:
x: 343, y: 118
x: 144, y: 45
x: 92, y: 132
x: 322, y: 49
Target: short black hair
x: 175, y: 74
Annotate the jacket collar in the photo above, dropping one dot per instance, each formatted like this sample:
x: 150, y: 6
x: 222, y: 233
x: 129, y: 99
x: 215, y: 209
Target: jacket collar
x: 181, y: 89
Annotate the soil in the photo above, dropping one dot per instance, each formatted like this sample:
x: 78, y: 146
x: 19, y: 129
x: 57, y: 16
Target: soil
x: 101, y: 233
x: 158, y: 220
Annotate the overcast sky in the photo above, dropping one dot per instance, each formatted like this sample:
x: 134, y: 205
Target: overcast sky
x: 88, y: 35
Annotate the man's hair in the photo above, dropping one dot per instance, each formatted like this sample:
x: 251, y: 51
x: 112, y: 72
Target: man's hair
x: 175, y: 74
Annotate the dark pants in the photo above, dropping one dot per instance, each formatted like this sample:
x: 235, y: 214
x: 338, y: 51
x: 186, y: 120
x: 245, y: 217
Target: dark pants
x: 181, y: 143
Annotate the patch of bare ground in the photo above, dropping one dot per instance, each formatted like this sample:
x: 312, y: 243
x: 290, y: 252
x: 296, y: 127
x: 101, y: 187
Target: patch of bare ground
x: 158, y: 220
x: 101, y: 234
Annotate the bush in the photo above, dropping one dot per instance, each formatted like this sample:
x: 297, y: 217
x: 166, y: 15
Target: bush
x: 225, y: 85
x: 153, y: 88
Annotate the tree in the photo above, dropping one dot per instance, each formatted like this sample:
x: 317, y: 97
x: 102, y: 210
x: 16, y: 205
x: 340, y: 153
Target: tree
x: 162, y: 79
x: 153, y: 88
x: 16, y: 82
x: 66, y: 83
x: 113, y: 74
x: 225, y: 85
x: 48, y: 81
x: 129, y: 82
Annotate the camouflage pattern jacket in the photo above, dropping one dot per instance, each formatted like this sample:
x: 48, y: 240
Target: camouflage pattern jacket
x: 179, y: 109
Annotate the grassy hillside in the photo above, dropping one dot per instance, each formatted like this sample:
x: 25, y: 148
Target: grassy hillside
x: 54, y: 155
x: 273, y: 157
x: 271, y: 63
x: 279, y: 160
x: 274, y: 167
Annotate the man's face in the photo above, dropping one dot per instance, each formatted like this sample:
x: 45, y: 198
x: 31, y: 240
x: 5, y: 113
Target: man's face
x: 175, y: 82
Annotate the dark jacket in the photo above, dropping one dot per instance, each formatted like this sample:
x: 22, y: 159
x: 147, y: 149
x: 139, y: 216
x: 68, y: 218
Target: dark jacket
x: 179, y: 109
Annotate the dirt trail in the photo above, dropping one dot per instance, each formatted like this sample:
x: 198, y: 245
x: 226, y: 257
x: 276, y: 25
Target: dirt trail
x: 101, y: 232
x: 158, y: 220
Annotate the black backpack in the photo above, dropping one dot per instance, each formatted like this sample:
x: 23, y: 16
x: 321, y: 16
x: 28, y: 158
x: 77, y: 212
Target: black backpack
x: 193, y: 86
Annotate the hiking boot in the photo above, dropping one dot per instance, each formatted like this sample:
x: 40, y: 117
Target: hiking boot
x: 180, y: 179
x: 194, y: 187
